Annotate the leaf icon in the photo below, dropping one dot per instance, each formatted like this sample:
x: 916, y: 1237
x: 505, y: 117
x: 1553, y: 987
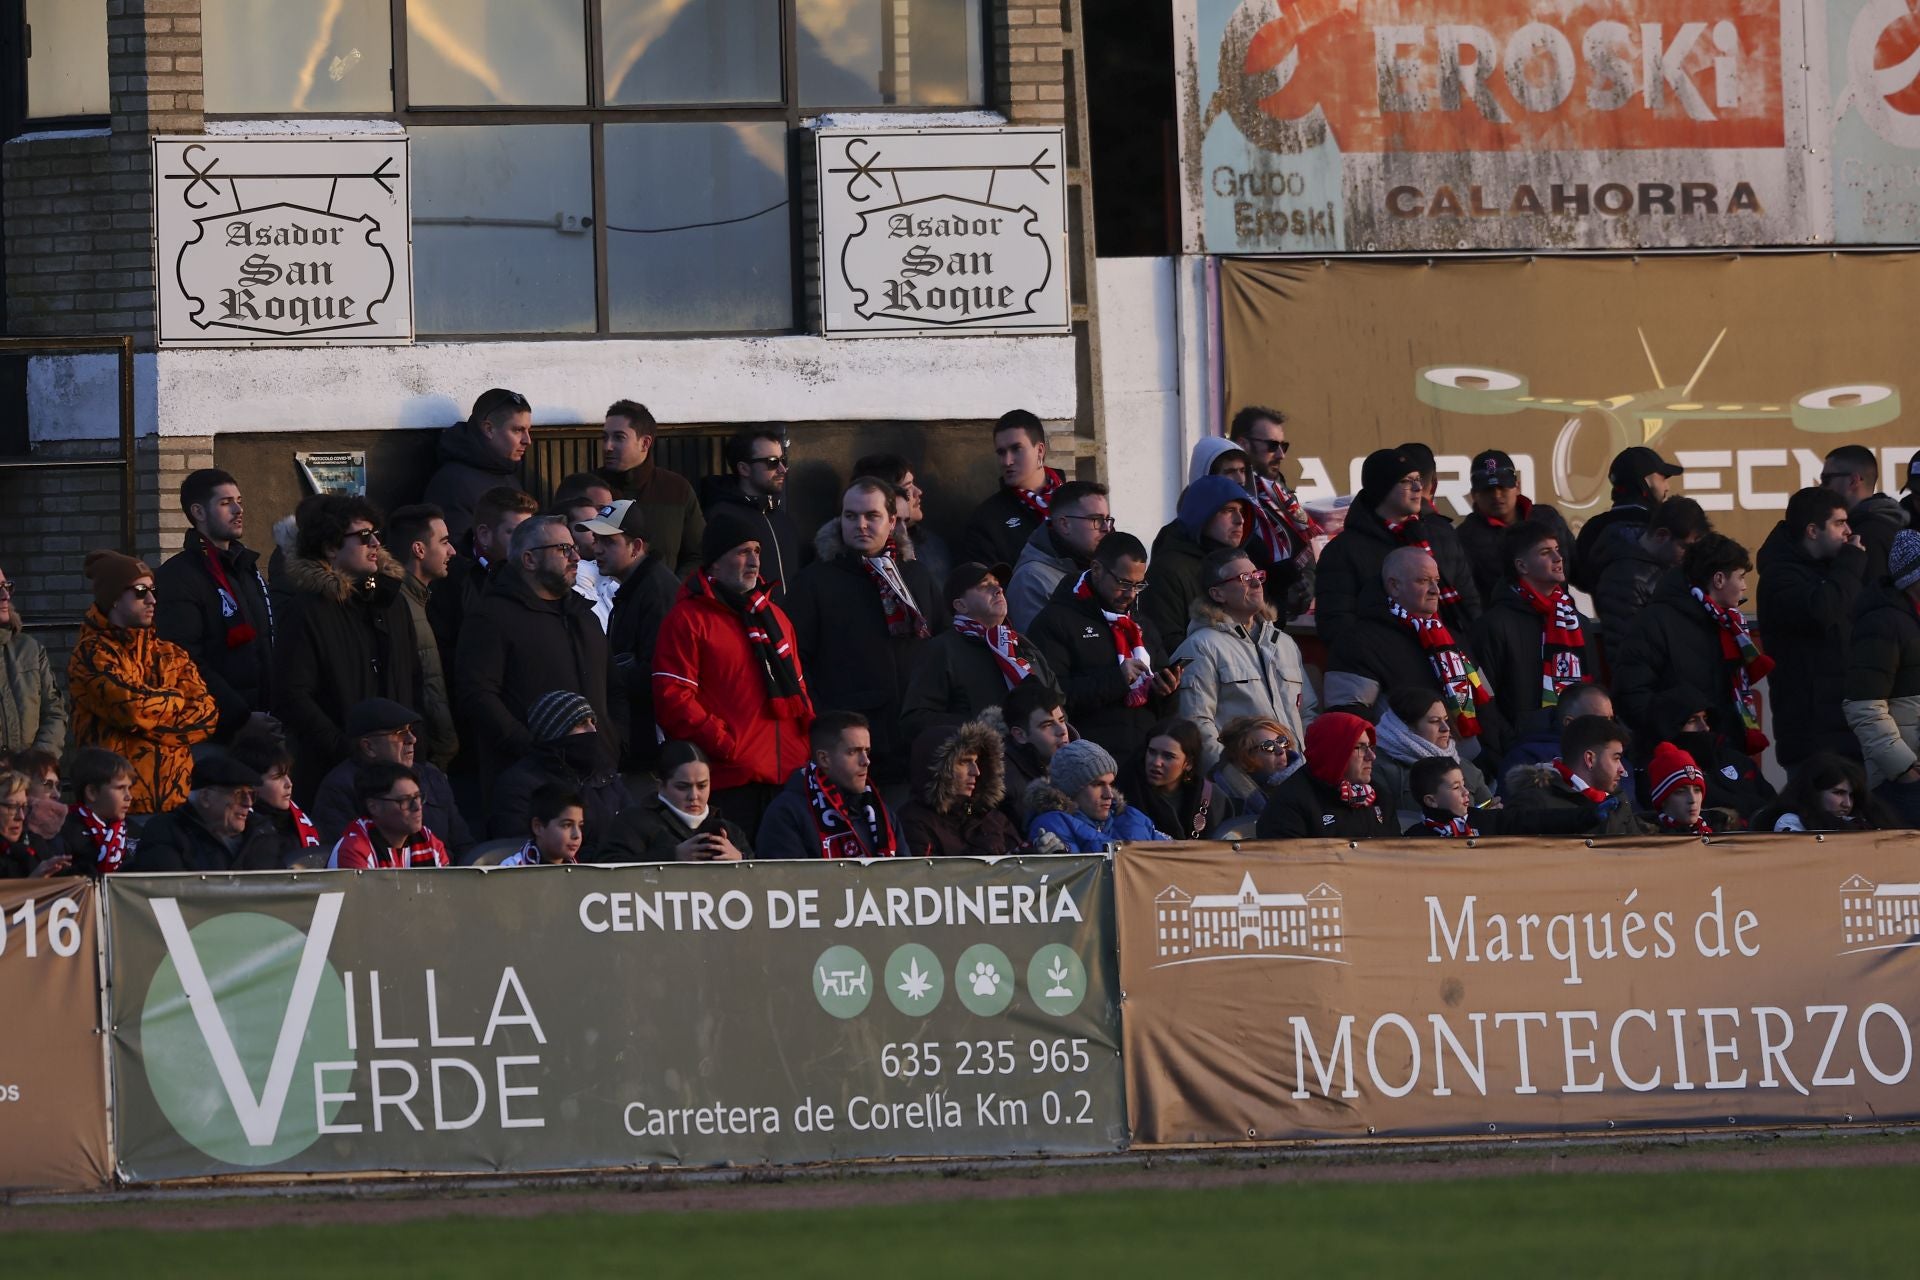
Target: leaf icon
x: 915, y: 983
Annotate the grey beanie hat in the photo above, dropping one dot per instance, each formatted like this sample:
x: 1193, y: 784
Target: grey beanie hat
x: 1079, y: 763
x: 1903, y: 561
x: 553, y: 715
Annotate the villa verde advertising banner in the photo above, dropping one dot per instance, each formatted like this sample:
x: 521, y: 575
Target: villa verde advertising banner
x: 551, y: 1018
x: 1398, y: 989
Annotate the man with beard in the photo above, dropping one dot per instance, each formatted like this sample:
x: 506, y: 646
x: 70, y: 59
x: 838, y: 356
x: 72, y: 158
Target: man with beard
x: 1812, y: 570
x: 425, y: 551
x: 1283, y: 531
x: 760, y: 464
x: 213, y: 602
x: 1854, y: 473
x: 666, y: 499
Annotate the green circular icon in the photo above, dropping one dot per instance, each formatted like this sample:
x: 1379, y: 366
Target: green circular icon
x: 984, y: 979
x: 914, y: 980
x: 1056, y: 979
x: 842, y: 982
x: 215, y: 1078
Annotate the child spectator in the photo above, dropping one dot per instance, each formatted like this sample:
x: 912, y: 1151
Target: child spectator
x: 262, y: 749
x: 1446, y: 805
x: 1678, y: 790
x: 556, y: 821
x: 94, y: 835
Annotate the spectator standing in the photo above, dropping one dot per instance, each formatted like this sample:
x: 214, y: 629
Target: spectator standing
x: 1167, y: 782
x: 263, y: 750
x: 391, y: 831
x: 1061, y: 547
x: 1812, y: 569
x: 1531, y: 642
x: 862, y: 613
x: 1641, y: 565
x: 93, y: 839
x: 1238, y: 660
x: 644, y: 590
x: 424, y: 548
x: 1694, y: 634
x: 581, y: 498
x: 346, y: 632
x: 970, y: 666
x: 531, y: 634
x: 999, y: 527
x: 215, y: 828
x: 556, y: 825
x: 679, y: 822
x: 1333, y: 796
x: 830, y: 808
x: 666, y: 500
x: 1256, y: 756
x: 1111, y: 665
x: 1283, y: 529
x: 1882, y: 685
x: 1498, y: 505
x: 569, y: 752
x: 758, y: 460
x: 1909, y: 494
x: 1586, y: 780
x: 1641, y: 480
x: 1035, y: 723
x: 1389, y: 514
x: 1079, y: 805
x: 383, y: 731
x: 133, y: 692
x: 727, y: 675
x: 929, y: 548
x: 489, y: 549
x: 485, y: 452
x: 33, y: 706
x: 1215, y: 514
x: 1415, y: 726
x: 213, y: 602
x: 1854, y: 473
x: 959, y: 784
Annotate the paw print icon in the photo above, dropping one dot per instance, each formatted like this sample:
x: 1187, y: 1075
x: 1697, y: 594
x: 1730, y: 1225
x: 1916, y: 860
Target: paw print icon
x: 984, y: 979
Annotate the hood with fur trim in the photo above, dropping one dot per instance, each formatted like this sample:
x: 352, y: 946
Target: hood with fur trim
x: 1044, y: 797
x: 1207, y: 614
x: 934, y: 754
x: 318, y: 578
x: 1534, y: 777
x: 829, y: 545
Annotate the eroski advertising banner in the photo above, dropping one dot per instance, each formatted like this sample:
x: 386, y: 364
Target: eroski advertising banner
x: 1398, y: 988
x: 593, y: 1017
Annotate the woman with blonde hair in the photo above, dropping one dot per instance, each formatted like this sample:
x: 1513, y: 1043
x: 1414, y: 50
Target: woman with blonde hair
x: 1257, y: 754
x: 19, y: 859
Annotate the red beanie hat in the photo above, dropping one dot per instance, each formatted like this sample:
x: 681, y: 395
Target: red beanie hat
x: 1671, y: 767
x: 1330, y: 743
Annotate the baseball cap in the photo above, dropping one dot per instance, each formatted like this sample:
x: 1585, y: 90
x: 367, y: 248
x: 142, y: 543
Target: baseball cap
x: 965, y: 577
x: 1631, y: 466
x: 624, y: 516
x: 1493, y: 469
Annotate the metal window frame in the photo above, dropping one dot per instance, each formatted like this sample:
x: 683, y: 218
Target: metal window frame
x: 596, y: 114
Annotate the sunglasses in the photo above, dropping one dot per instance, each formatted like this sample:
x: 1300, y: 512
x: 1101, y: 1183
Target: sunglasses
x: 771, y: 464
x: 1252, y: 578
x: 1265, y: 445
x: 145, y: 593
x: 6, y: 588
x: 1278, y: 747
x: 366, y: 537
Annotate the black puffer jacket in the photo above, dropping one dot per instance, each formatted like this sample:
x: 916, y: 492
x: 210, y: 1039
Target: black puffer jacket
x: 340, y: 642
x: 191, y: 614
x: 1628, y: 584
x: 468, y: 468
x: 1538, y: 799
x: 1506, y: 644
x: 1349, y: 570
x: 639, y: 607
x: 1304, y: 808
x: 1077, y: 642
x: 997, y: 530
x: 939, y: 821
x: 1674, y: 642
x: 516, y: 646
x: 956, y: 678
x: 1876, y: 518
x: 1881, y: 690
x: 651, y: 832
x: 1481, y: 540
x: 851, y: 662
x: 1806, y: 619
x: 1602, y: 538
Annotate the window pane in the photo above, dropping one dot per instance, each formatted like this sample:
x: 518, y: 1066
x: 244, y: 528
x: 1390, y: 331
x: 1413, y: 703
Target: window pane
x: 856, y: 53
x: 67, y: 74
x: 669, y: 268
x: 267, y: 55
x: 691, y: 50
x: 490, y: 254
x: 523, y: 53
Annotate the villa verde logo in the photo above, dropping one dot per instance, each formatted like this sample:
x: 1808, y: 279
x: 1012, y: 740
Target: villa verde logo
x: 240, y: 1010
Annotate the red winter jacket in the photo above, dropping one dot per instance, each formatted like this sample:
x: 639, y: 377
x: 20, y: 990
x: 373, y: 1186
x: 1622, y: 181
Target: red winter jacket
x: 709, y: 689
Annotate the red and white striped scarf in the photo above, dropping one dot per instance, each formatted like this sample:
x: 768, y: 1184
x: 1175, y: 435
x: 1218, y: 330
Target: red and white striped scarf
x: 1673, y: 826
x: 1580, y: 784
x: 1281, y: 523
x: 1750, y: 668
x: 362, y: 846
x: 303, y: 827
x: 109, y: 841
x: 1039, y: 500
x: 833, y: 823
x: 1562, y: 642
x: 904, y: 619
x: 1461, y: 683
x: 1129, y: 641
x: 1452, y: 829
x: 1357, y: 795
x: 1001, y: 641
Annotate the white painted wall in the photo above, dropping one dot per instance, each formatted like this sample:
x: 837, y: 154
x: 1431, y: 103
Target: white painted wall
x: 1156, y: 380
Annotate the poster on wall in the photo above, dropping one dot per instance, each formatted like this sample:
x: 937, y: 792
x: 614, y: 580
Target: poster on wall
x: 943, y: 231
x: 1744, y: 370
x: 302, y: 240
x: 1430, y: 125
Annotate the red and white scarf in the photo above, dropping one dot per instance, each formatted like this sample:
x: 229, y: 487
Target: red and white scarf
x: 239, y: 630
x: 1452, y: 829
x: 309, y: 835
x: 1001, y: 641
x: 1750, y: 667
x: 109, y: 841
x: 833, y: 824
x: 1281, y: 523
x: 1357, y: 795
x: 1673, y: 826
x: 904, y: 619
x: 1410, y: 532
x: 779, y: 662
x: 1461, y: 683
x: 1562, y: 642
x: 1038, y: 500
x: 1129, y: 641
x: 1579, y: 784
x: 362, y: 847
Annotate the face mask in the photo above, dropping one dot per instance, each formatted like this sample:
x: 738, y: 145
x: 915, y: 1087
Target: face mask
x: 581, y: 751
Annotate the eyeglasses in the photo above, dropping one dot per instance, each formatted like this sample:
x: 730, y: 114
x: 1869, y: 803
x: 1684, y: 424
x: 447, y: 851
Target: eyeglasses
x: 1254, y: 442
x: 6, y: 588
x: 566, y: 549
x: 1278, y: 747
x: 14, y: 806
x: 1252, y: 578
x: 145, y: 593
x: 403, y: 734
x: 367, y: 537
x: 409, y: 803
x: 1125, y: 588
x: 771, y: 464
x: 1104, y: 523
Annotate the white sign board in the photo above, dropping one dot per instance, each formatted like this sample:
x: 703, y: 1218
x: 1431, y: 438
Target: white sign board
x: 282, y: 240
x: 943, y: 231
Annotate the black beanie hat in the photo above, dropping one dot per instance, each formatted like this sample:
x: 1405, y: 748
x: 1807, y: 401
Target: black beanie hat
x: 727, y: 527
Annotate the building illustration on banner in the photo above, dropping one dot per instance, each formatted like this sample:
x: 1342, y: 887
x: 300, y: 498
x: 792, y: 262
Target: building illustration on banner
x: 1879, y: 917
x: 1248, y: 924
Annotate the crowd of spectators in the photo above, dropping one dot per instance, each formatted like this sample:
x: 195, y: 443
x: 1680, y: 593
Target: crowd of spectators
x: 646, y: 671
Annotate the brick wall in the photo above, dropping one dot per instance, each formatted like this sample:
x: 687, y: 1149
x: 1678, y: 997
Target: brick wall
x: 1029, y: 72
